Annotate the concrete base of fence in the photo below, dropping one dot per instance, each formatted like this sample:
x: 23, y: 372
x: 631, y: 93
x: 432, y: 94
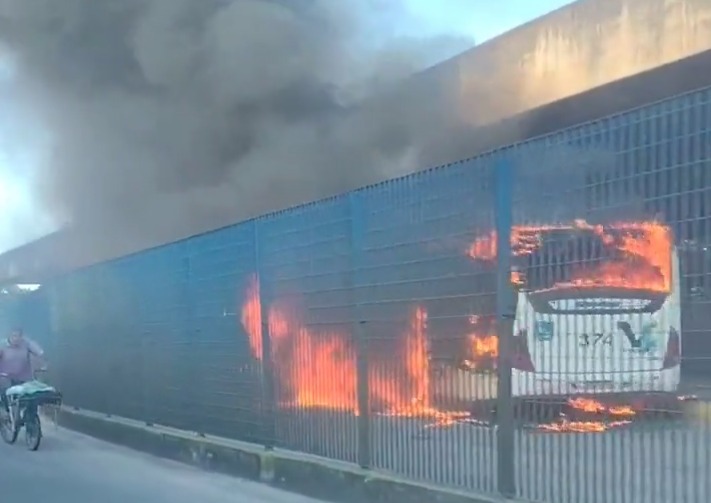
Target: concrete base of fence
x: 698, y: 411
x: 296, y: 472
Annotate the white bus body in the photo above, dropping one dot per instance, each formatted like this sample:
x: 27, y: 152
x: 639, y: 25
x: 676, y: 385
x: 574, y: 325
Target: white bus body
x: 573, y: 340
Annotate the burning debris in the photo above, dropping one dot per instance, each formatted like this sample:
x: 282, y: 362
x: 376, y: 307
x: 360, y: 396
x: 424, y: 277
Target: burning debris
x: 595, y: 407
x: 565, y: 425
x: 613, y: 414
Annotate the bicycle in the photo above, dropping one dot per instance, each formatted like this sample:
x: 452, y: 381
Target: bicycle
x: 22, y: 410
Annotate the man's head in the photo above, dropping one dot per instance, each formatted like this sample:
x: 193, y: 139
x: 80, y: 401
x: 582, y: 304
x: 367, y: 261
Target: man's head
x: 16, y: 337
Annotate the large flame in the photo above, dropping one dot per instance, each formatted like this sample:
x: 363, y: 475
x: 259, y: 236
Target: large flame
x: 316, y: 369
x: 643, y: 260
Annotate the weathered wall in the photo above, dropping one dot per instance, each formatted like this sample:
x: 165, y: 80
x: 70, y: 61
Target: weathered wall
x: 585, y: 45
x: 528, y: 81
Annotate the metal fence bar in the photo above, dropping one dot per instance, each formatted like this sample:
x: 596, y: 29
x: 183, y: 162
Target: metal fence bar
x: 359, y: 336
x: 504, y: 328
x: 267, y: 357
x: 192, y: 400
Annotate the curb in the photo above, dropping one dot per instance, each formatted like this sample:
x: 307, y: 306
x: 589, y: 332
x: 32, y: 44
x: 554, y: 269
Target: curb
x: 296, y: 472
x: 698, y: 411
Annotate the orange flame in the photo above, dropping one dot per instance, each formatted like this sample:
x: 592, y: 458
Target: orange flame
x: 316, y: 369
x: 252, y: 317
x: 593, y: 406
x: 418, y: 369
x: 483, y: 344
x: 485, y: 347
x: 644, y: 259
x: 567, y: 426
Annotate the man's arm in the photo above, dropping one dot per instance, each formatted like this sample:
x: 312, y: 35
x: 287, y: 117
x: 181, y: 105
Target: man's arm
x: 36, y: 351
x: 35, y: 348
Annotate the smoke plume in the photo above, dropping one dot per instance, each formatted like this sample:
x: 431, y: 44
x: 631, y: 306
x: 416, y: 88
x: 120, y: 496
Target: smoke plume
x: 170, y: 117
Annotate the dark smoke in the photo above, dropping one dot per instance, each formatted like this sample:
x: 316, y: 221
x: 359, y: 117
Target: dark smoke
x: 170, y: 117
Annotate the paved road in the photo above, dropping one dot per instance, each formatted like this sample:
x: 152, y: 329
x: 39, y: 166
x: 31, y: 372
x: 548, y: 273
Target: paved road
x: 658, y: 462
x: 654, y: 461
x: 72, y: 468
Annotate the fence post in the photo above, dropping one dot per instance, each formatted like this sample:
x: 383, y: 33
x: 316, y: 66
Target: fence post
x: 504, y: 317
x: 195, y: 419
x: 359, y: 333
x: 268, y: 396
x: 147, y: 395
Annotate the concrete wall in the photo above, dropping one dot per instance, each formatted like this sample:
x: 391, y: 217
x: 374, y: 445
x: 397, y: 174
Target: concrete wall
x: 585, y: 45
x: 581, y: 62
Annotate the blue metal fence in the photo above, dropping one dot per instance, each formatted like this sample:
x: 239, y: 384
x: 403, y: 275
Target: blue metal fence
x: 362, y: 328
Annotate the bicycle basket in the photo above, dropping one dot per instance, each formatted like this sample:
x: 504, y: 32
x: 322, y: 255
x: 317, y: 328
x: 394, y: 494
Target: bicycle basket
x: 35, y: 391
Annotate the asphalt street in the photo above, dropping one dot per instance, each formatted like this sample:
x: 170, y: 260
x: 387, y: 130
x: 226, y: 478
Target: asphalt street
x: 647, y: 461
x: 650, y: 462
x: 70, y: 467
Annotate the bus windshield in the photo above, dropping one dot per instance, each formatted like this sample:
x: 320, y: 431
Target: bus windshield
x: 618, y: 257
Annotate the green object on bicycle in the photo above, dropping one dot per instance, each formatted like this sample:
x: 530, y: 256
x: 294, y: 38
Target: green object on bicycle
x: 30, y: 388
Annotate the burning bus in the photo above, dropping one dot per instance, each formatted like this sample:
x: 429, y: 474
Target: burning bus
x: 597, y: 312
x: 597, y: 308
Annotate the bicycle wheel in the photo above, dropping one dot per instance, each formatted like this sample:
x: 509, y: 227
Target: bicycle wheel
x: 8, y: 431
x: 33, y: 431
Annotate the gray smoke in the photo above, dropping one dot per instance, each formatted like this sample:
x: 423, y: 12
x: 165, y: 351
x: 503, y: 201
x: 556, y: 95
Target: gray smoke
x: 170, y: 117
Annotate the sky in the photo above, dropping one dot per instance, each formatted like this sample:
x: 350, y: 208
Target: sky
x: 481, y: 19
x: 23, y: 144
